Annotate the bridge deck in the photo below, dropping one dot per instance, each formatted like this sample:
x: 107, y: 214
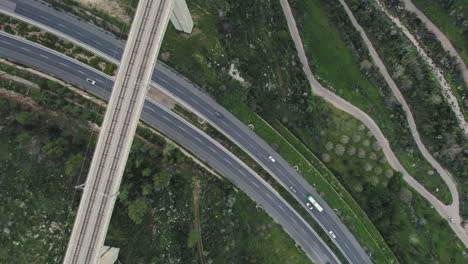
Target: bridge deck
x: 118, y: 129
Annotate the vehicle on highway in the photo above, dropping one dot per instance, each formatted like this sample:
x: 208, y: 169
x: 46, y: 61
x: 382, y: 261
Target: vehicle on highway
x: 271, y: 158
x: 292, y: 189
x: 332, y: 234
x: 91, y: 81
x: 309, y: 205
x: 451, y: 220
x: 317, y: 205
x: 218, y: 114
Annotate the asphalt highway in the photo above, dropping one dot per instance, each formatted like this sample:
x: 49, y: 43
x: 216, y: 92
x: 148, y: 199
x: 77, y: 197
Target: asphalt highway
x: 179, y: 130
x: 193, y: 98
x: 190, y: 96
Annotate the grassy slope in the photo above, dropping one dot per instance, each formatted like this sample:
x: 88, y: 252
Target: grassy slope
x: 36, y: 201
x: 333, y: 61
x: 457, y: 35
x: 192, y: 53
x: 204, y: 62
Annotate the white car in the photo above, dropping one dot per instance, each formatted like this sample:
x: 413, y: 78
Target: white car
x: 218, y: 114
x: 91, y: 81
x: 451, y: 220
x: 309, y: 205
x: 332, y: 234
x: 271, y: 158
x: 292, y: 189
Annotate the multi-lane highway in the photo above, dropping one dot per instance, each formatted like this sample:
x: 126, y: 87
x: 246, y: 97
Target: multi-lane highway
x: 179, y: 130
x: 117, y: 131
x: 190, y: 96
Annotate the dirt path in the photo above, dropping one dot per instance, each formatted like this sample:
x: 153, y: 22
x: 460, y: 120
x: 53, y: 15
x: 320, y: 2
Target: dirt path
x: 340, y: 103
x: 446, y: 89
x: 440, y: 36
x: 448, y: 179
x: 196, y: 212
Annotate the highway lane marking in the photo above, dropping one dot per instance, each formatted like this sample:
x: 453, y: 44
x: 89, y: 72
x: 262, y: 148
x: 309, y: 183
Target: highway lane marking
x: 165, y: 117
x: 26, y: 49
x: 228, y: 161
x: 63, y: 64
x: 195, y: 102
x: 199, y: 140
x: 43, y: 56
x: 81, y: 72
x: 61, y: 25
x: 256, y: 185
x: 212, y: 149
x: 237, y: 133
x: 79, y: 34
x: 162, y: 80
x: 183, y: 129
x: 6, y: 42
x: 43, y: 17
x: 99, y: 43
x: 269, y: 196
x: 282, y: 208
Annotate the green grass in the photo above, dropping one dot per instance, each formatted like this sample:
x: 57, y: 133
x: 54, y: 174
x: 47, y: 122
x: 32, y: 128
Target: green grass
x: 36, y: 216
x: 341, y: 70
x: 446, y: 22
x: 323, y: 181
x: 269, y: 63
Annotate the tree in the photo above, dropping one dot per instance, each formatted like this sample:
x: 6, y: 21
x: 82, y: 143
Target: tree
x: 26, y: 118
x: 73, y: 164
x: 146, y: 189
x: 146, y: 172
x: 55, y: 148
x: 161, y: 179
x: 136, y: 210
x: 193, y: 237
x: 23, y: 138
x: 168, y: 153
x: 4, y: 106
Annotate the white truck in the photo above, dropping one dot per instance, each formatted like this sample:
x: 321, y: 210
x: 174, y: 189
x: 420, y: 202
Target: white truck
x: 316, y: 205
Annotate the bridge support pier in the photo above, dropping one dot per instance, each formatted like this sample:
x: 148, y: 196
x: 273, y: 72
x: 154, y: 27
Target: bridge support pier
x: 108, y: 255
x: 180, y: 17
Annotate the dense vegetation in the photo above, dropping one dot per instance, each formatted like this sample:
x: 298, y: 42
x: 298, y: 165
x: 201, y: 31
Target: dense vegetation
x: 342, y: 62
x: 438, y: 127
x: 451, y: 17
x: 276, y: 89
x: 165, y: 198
x: 434, y: 49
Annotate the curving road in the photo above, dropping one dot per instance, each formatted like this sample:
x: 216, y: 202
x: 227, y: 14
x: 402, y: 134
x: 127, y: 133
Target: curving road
x: 357, y: 113
x: 182, y: 132
x: 190, y: 96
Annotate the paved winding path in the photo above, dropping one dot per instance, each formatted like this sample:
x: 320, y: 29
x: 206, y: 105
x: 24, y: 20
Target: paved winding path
x: 440, y: 36
x: 340, y: 103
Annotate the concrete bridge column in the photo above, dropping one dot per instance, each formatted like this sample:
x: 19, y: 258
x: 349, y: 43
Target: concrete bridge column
x: 180, y: 17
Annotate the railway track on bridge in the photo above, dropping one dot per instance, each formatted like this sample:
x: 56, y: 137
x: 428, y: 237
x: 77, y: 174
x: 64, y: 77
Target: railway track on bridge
x: 110, y: 157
